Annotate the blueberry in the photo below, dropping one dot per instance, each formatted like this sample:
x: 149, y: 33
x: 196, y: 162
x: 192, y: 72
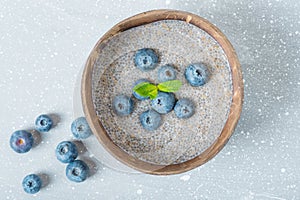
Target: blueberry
x: 77, y: 171
x: 145, y: 59
x: 163, y: 103
x: 43, y: 123
x: 66, y: 152
x: 80, y: 128
x: 166, y: 73
x: 32, y: 183
x: 136, y: 95
x: 122, y: 105
x: 21, y: 141
x: 150, y: 120
x: 184, y: 108
x: 196, y: 74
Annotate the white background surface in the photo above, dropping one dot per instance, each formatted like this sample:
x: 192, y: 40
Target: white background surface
x: 43, y: 45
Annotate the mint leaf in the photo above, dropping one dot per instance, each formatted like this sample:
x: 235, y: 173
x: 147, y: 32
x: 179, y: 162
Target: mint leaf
x: 153, y: 94
x: 170, y: 86
x: 146, y: 89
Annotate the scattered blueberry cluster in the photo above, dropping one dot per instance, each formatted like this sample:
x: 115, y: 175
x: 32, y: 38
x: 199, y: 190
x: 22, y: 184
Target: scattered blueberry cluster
x: 66, y: 152
x: 147, y: 59
x: 21, y: 141
x: 76, y: 170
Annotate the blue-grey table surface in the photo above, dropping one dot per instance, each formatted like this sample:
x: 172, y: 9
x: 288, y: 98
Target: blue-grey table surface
x: 43, y: 45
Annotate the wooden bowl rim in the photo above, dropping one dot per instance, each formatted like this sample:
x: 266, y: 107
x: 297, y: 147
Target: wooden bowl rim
x: 235, y: 109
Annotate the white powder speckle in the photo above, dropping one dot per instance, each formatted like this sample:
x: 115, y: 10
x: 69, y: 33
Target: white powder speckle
x: 286, y: 113
x: 283, y: 170
x: 185, y: 178
x: 139, y: 191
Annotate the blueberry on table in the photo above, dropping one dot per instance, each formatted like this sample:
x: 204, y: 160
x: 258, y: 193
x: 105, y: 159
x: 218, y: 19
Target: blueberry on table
x: 21, y: 141
x: 123, y: 105
x: 80, y: 128
x: 43, y: 123
x: 166, y: 73
x: 184, y: 108
x: 150, y: 120
x: 32, y: 183
x: 66, y: 152
x: 146, y: 59
x: 136, y: 95
x: 196, y: 74
x: 77, y: 171
x: 163, y: 103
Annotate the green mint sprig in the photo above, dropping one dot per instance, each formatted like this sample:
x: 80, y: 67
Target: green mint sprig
x: 146, y: 89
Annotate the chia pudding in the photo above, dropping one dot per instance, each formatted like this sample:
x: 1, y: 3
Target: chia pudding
x: 179, y: 44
